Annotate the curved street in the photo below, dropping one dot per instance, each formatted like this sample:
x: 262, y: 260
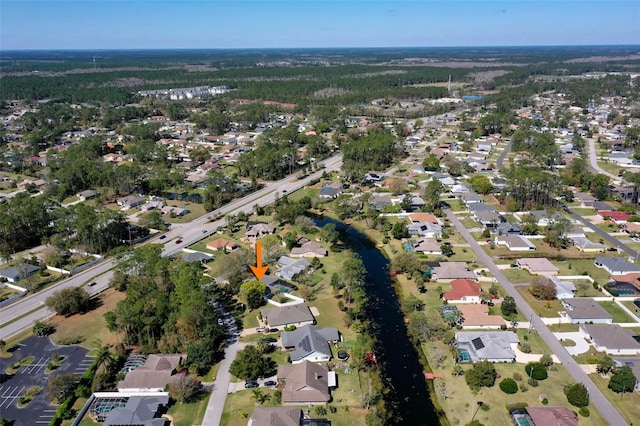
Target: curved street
x: 597, y: 398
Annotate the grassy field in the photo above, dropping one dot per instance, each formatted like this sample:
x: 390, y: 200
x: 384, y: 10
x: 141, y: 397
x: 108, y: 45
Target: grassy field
x: 583, y: 211
x: 517, y: 275
x: 544, y: 308
x: 92, y: 326
x: 628, y: 404
x: 188, y: 414
x: 631, y: 306
x: 461, y: 402
x: 618, y: 314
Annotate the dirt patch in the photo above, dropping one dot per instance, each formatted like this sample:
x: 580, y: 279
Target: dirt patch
x: 486, y: 76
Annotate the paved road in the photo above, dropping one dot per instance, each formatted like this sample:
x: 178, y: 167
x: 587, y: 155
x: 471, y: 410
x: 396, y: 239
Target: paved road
x: 613, y: 240
x: 598, y: 400
x: 593, y: 160
x: 188, y: 233
x: 502, y: 156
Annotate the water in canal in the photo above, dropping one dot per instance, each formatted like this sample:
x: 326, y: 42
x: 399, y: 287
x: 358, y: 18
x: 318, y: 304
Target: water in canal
x: 407, y: 394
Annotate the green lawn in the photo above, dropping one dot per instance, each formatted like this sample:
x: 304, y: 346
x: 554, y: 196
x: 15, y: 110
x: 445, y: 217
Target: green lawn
x: 628, y: 404
x: 631, y: 306
x: 460, y: 403
x: 188, y: 414
x: 544, y: 308
x: 517, y: 275
x: 618, y: 314
x: 583, y: 211
x: 563, y: 328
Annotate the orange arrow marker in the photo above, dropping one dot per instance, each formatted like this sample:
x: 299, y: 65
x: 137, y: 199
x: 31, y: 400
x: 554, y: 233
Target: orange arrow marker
x: 259, y: 270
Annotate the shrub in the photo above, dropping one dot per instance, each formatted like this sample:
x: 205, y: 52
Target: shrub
x: 533, y: 382
x: 525, y: 347
x: 523, y: 387
x: 508, y: 386
x: 536, y: 370
x: 577, y: 395
x: 545, y: 401
x: 517, y: 377
x: 584, y: 412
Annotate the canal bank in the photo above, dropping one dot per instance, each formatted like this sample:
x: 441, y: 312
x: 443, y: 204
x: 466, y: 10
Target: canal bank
x: 406, y: 392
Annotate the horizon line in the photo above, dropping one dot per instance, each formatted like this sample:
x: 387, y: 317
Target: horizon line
x: 317, y: 48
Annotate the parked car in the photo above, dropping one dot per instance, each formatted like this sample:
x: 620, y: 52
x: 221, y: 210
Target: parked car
x: 178, y: 241
x: 270, y: 383
x: 259, y: 329
x: 91, y: 284
x: 162, y: 237
x: 271, y: 339
x: 514, y: 265
x: 251, y: 384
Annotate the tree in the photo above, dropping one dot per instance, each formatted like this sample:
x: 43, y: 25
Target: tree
x: 432, y: 192
x: 508, y: 386
x: 623, y: 380
x: 431, y: 163
x: 251, y: 364
x: 577, y: 395
x: 481, y: 184
x: 185, y: 389
x: 329, y: 233
x: 508, y: 307
x: 406, y: 262
x: 42, y: 329
x: 482, y: 374
x: 447, y: 249
x: 605, y: 365
x: 536, y: 370
x: 546, y: 360
x: 543, y: 288
x: 69, y: 301
x: 400, y: 230
x: 398, y: 186
x: 60, y: 386
x: 254, y: 292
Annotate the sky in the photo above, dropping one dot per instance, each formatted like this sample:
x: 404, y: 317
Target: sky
x: 218, y: 24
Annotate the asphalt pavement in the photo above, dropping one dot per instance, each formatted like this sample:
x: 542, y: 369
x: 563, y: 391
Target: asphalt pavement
x: 597, y: 398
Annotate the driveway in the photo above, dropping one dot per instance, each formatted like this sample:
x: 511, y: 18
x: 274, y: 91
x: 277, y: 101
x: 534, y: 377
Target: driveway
x: 581, y: 345
x: 39, y: 411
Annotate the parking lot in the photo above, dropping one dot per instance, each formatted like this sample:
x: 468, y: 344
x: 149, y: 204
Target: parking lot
x: 12, y: 387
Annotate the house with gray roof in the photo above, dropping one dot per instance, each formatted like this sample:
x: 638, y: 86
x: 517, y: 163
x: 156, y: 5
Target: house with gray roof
x: 158, y: 371
x: 306, y: 383
x: 478, y: 207
x: 130, y: 201
x: 489, y: 219
x: 545, y: 217
x: 16, y: 273
x: 492, y: 346
x: 310, y: 343
x: 330, y: 190
x: 564, y: 289
x: 611, y: 339
x: 515, y: 242
x: 309, y: 249
x: 449, y: 271
x: 258, y: 229
x: 276, y: 416
x: 616, y: 265
x: 588, y: 246
x: 508, y: 229
x: 425, y: 229
x: 471, y: 198
x: 297, y: 314
x: 582, y: 310
x: 140, y: 411
x: 290, y: 267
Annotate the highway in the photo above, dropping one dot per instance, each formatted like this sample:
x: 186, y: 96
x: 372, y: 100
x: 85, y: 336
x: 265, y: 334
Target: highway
x: 597, y: 398
x: 188, y: 233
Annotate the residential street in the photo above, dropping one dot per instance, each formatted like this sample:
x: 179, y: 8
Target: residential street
x: 616, y: 242
x: 593, y: 160
x: 598, y: 400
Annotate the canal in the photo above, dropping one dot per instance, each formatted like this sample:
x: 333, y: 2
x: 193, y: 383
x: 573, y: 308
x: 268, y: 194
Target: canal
x: 406, y: 393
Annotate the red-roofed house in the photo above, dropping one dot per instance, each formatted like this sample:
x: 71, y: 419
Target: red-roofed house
x: 463, y: 291
x: 614, y: 215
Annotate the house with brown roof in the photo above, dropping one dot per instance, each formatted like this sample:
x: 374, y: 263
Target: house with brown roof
x: 423, y: 218
x: 305, y: 383
x: 222, y: 244
x: 297, y: 314
x: 130, y: 201
x: 538, y: 266
x: 611, y: 338
x: 476, y: 315
x: 427, y: 246
x: 515, y: 242
x: 157, y: 371
x: 550, y: 416
x: 463, y: 291
x: 309, y: 249
x: 449, y: 271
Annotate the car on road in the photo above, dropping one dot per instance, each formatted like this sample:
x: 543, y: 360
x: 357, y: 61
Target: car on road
x: 204, y: 231
x: 91, y: 284
x: 251, y: 384
x: 178, y: 241
x: 162, y: 237
x: 270, y: 383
